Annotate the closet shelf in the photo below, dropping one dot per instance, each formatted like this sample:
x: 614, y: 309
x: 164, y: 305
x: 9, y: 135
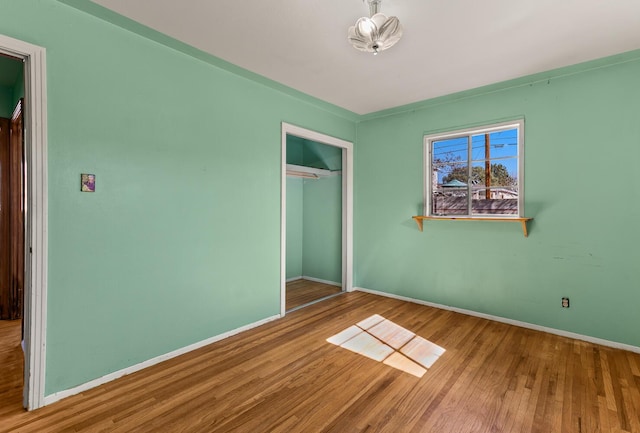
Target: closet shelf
x: 420, y: 219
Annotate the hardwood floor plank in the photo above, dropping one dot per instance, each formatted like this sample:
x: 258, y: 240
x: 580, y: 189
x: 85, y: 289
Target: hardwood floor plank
x: 285, y: 377
x: 11, y: 368
x: 301, y: 292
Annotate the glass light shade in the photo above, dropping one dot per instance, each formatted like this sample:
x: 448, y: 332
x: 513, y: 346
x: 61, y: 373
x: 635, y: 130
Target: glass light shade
x: 375, y: 34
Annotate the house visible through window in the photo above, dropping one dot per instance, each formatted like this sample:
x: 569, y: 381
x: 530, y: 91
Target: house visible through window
x: 475, y: 172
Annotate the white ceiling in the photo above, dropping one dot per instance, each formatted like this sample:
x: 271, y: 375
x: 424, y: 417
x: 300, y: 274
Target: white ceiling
x: 448, y: 45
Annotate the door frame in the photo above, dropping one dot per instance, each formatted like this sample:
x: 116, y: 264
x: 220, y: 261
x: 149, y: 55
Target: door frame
x: 347, y: 205
x: 36, y: 214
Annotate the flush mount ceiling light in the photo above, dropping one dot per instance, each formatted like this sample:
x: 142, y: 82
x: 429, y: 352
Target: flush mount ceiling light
x: 376, y: 33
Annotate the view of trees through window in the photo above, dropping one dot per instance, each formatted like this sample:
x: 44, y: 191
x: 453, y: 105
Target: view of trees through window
x: 475, y: 174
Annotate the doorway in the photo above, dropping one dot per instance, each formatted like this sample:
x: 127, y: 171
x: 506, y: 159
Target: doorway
x: 12, y: 176
x: 314, y: 221
x: 316, y: 245
x: 33, y: 326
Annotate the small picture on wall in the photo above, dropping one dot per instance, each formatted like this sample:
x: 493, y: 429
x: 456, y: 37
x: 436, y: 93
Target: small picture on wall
x: 88, y: 182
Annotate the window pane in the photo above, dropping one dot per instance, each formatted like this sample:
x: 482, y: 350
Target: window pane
x: 450, y: 199
x: 451, y: 150
x: 501, y: 144
x: 494, y: 201
x: 502, y: 173
x: 450, y: 177
x: 451, y: 172
x: 478, y: 147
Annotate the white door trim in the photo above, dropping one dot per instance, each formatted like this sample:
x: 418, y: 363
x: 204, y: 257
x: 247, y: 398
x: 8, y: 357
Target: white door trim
x: 347, y: 205
x: 35, y: 281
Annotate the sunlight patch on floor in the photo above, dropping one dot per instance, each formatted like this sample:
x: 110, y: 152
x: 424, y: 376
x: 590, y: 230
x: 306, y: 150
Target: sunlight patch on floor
x: 384, y: 341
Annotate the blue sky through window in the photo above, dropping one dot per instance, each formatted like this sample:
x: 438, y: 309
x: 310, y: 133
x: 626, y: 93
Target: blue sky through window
x: 503, y: 150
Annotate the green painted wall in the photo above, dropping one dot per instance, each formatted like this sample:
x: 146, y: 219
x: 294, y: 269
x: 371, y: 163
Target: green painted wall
x: 18, y: 89
x: 309, y: 153
x: 295, y: 150
x: 6, y: 101
x: 314, y: 228
x: 11, y: 85
x: 322, y: 229
x: 9, y: 97
x: 167, y: 251
x: 294, y: 227
x: 582, y: 149
x: 322, y: 156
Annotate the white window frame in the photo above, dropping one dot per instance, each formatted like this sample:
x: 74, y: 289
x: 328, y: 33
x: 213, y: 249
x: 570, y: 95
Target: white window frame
x: 485, y: 129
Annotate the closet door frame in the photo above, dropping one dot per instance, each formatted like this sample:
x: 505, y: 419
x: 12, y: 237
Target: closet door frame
x: 347, y: 204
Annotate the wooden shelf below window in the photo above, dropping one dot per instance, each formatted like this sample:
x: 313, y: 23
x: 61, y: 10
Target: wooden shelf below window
x: 523, y: 221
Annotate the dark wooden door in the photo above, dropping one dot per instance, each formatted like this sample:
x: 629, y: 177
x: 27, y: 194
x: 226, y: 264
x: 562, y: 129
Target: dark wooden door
x: 5, y: 224
x: 12, y: 216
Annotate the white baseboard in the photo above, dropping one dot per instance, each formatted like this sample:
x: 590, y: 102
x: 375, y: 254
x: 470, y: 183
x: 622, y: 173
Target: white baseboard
x: 52, y: 398
x: 318, y: 280
x: 560, y: 332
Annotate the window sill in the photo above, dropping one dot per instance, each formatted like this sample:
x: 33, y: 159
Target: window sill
x: 420, y: 219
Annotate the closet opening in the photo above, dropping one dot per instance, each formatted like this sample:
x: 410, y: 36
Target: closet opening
x: 316, y: 214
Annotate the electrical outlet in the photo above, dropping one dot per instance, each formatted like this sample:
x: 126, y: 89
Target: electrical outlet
x: 565, y: 302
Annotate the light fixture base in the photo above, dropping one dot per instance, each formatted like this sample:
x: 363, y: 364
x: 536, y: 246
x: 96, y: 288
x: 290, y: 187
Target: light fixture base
x: 374, y: 6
